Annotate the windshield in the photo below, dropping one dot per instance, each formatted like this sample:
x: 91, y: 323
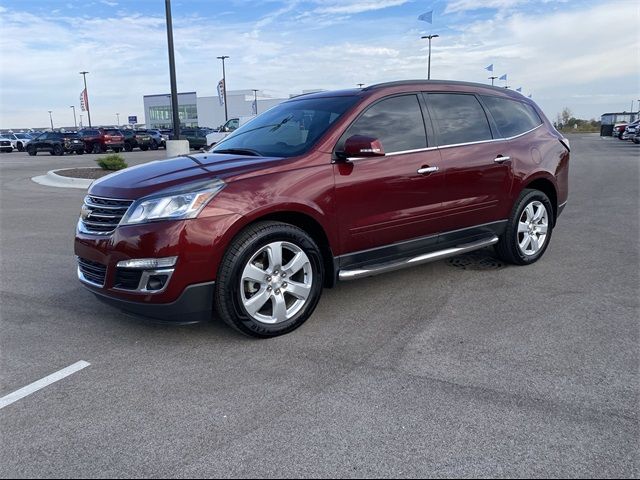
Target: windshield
x: 288, y: 129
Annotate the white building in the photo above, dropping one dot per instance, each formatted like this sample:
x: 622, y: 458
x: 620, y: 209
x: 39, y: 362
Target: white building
x: 197, y: 111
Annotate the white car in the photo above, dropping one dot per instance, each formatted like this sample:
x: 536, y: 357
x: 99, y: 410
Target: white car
x: 231, y: 125
x: 19, y: 141
x: 5, y: 144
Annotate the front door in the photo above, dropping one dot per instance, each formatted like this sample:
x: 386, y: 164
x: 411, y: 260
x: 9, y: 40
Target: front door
x: 385, y: 200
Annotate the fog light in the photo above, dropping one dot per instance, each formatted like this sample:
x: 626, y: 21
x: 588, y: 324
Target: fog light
x: 148, y: 263
x: 156, y: 282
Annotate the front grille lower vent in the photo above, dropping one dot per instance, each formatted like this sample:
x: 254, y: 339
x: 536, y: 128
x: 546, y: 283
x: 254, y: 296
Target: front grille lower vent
x: 102, y: 215
x: 128, y: 279
x: 93, y: 272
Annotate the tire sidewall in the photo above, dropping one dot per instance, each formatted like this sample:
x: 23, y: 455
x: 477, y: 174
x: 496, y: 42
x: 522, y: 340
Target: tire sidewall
x: 247, y: 323
x: 531, y: 196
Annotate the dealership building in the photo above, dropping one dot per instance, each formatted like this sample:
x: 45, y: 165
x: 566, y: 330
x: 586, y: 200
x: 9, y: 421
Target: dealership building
x: 197, y: 111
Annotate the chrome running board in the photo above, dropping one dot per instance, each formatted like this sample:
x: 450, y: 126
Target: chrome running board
x: 370, y: 270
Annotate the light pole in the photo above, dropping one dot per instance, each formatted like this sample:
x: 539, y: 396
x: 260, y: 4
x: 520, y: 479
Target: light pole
x: 429, y: 37
x: 172, y: 72
x: 118, y: 117
x: 74, y: 116
x: 255, y: 100
x: 361, y: 85
x: 80, y: 120
x: 224, y: 87
x: 51, y: 120
x: 86, y: 92
x: 492, y: 79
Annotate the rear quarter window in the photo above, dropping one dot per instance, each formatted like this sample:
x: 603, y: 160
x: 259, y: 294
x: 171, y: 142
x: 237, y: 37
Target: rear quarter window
x: 459, y: 118
x: 511, y: 116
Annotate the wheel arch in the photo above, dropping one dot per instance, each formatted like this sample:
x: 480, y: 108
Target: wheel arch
x: 548, y: 187
x: 310, y: 225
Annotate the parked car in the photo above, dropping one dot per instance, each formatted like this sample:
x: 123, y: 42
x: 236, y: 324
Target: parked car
x: 197, y: 138
x: 618, y: 130
x: 230, y: 126
x: 158, y: 136
x: 139, y: 139
x: 99, y: 140
x: 325, y: 187
x: 636, y: 136
x: 56, y: 143
x: 5, y: 145
x: 18, y: 140
x: 630, y: 130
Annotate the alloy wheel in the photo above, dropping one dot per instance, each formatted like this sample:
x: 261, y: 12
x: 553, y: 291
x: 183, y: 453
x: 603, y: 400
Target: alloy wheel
x: 533, y: 226
x: 276, y: 282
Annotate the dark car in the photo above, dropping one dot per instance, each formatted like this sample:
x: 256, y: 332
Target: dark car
x: 197, y: 137
x: 56, y: 143
x: 159, y: 138
x: 140, y: 139
x: 618, y: 130
x: 99, y: 140
x: 325, y: 187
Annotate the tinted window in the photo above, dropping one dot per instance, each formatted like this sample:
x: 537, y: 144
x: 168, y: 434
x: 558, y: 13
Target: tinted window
x: 113, y: 131
x: 458, y: 118
x: 290, y: 128
x: 396, y: 122
x: 512, y: 117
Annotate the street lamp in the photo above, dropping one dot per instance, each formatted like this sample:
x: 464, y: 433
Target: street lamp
x: 118, y: 117
x: 74, y: 115
x: 172, y: 72
x: 86, y: 92
x: 255, y: 100
x: 224, y: 86
x: 361, y: 85
x: 492, y: 79
x: 429, y: 37
x: 51, y: 120
x: 81, y: 121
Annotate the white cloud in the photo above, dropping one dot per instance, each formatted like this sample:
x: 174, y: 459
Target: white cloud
x: 356, y: 6
x: 554, y: 55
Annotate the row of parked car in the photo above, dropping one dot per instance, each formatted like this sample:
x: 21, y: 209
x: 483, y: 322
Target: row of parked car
x: 628, y: 131
x: 99, y: 140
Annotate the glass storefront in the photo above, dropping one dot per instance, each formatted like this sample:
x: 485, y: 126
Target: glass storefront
x: 161, y: 116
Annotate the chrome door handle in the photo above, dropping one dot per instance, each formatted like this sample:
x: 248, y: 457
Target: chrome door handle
x: 502, y: 159
x: 426, y: 170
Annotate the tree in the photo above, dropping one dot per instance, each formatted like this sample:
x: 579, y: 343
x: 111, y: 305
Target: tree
x: 566, y: 115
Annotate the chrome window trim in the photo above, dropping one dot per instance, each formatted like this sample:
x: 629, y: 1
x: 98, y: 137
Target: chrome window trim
x: 392, y: 154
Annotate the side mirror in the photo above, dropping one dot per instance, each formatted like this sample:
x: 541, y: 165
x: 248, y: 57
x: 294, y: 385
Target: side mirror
x: 359, y: 146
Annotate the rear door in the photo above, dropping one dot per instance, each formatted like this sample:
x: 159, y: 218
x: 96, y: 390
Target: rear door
x: 384, y: 200
x: 477, y: 181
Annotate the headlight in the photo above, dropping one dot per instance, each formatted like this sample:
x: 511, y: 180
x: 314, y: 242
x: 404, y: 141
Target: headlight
x: 175, y: 206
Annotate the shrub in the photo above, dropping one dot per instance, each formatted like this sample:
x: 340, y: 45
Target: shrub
x: 112, y: 162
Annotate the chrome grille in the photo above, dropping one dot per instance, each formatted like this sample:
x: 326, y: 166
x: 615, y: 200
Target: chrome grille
x: 92, y: 272
x: 102, y: 215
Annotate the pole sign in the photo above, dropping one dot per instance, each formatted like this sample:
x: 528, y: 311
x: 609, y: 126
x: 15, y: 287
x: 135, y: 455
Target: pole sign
x: 133, y: 119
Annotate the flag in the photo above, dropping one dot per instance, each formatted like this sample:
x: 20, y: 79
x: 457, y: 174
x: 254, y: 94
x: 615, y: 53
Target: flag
x: 254, y: 107
x: 489, y: 68
x: 84, y: 100
x: 503, y: 77
x: 427, y: 17
x: 519, y: 89
x: 221, y: 92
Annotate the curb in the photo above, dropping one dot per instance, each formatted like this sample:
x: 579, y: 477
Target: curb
x: 51, y: 179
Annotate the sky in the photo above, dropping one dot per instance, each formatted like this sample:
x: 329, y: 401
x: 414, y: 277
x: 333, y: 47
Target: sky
x: 584, y: 55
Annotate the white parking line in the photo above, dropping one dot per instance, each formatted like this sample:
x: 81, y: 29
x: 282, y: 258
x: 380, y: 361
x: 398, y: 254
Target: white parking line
x: 42, y: 383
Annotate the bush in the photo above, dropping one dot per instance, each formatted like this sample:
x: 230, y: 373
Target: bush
x: 112, y: 162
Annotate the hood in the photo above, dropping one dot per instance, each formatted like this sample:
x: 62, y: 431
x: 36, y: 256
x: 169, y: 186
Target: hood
x: 142, y: 180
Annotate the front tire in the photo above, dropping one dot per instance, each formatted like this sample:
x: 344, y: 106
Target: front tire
x: 270, y: 280
x: 528, y: 230
x: 32, y: 151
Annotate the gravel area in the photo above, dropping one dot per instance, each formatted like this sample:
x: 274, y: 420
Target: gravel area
x: 91, y: 173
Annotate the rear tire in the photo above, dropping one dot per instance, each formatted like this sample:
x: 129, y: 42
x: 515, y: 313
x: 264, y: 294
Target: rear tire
x: 32, y: 151
x: 528, y: 230
x: 20, y: 147
x: 154, y: 145
x: 97, y: 148
x: 128, y: 147
x: 285, y: 284
x: 57, y: 150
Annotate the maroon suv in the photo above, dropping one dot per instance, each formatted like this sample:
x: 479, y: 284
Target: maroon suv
x: 324, y: 187
x: 99, y: 140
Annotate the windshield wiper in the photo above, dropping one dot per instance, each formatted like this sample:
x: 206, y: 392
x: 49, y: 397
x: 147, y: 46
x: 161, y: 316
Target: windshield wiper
x: 239, y: 151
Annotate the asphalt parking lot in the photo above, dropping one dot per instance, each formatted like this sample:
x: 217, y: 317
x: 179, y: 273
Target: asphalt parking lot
x: 433, y: 371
